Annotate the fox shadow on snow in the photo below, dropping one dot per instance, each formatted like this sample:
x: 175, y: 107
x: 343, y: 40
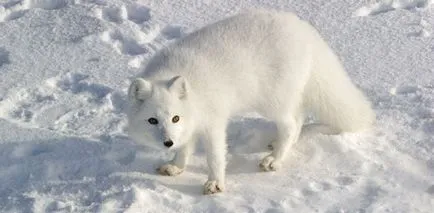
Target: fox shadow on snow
x: 67, y: 165
x: 57, y: 164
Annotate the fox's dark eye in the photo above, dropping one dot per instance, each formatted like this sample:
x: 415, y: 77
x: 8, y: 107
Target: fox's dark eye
x: 175, y: 119
x: 153, y: 121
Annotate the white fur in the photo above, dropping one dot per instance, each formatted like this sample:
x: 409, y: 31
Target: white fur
x: 269, y: 62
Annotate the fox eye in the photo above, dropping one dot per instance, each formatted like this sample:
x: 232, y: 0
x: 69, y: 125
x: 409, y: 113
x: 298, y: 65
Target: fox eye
x: 175, y: 119
x: 153, y: 121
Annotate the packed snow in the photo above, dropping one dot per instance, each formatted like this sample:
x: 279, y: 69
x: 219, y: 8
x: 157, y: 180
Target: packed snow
x: 65, y: 66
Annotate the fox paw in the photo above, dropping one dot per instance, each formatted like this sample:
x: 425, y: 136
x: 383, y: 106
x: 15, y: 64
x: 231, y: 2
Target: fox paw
x: 212, y: 187
x: 169, y: 170
x: 269, y: 163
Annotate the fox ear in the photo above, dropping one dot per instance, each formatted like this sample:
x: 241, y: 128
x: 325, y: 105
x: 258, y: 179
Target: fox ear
x: 178, y: 85
x: 139, y: 90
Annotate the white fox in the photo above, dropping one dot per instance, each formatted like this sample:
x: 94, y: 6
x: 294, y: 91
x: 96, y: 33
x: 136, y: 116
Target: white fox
x: 272, y: 63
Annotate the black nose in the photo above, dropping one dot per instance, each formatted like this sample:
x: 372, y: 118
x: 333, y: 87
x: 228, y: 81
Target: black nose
x: 168, y: 143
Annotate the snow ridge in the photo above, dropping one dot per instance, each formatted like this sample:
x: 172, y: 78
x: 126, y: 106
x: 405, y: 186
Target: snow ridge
x: 65, y: 66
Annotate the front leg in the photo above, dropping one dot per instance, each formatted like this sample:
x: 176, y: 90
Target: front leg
x: 178, y: 164
x: 216, y: 158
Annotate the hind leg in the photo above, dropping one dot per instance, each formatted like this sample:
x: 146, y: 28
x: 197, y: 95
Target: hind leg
x: 288, y: 133
x: 313, y: 128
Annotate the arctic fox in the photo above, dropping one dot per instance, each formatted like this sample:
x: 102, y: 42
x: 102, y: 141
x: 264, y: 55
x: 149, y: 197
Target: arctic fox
x: 272, y: 63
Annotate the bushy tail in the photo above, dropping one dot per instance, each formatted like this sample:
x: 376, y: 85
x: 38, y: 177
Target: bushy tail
x: 335, y: 100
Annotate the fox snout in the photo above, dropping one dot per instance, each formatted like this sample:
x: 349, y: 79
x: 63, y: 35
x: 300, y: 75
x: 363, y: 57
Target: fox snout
x: 168, y: 143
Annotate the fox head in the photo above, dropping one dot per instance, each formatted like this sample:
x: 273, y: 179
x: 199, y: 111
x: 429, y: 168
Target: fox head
x: 159, y: 114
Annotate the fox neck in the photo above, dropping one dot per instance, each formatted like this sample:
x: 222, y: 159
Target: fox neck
x: 194, y: 115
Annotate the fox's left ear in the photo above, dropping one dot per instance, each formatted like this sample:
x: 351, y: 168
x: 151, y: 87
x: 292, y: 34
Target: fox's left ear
x: 178, y: 85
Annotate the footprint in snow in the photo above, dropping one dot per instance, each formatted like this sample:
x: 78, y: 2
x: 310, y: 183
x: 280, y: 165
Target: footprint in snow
x: 384, y: 6
x: 12, y: 10
x: 23, y: 113
x: 77, y: 83
x: 316, y: 187
x: 423, y: 29
x: 114, y: 14
x: 404, y: 90
x: 135, y: 17
x: 135, y: 13
x: 47, y: 4
x: 138, y: 14
x: 67, y: 103
x: 123, y: 44
x: 12, y: 15
x: 25, y: 104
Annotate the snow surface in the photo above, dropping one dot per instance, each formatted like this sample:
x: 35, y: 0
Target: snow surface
x: 65, y: 66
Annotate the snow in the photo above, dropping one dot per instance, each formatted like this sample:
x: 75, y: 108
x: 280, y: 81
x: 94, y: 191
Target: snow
x: 65, y: 66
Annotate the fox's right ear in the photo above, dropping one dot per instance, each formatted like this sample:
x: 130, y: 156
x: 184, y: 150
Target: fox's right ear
x: 139, y: 90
